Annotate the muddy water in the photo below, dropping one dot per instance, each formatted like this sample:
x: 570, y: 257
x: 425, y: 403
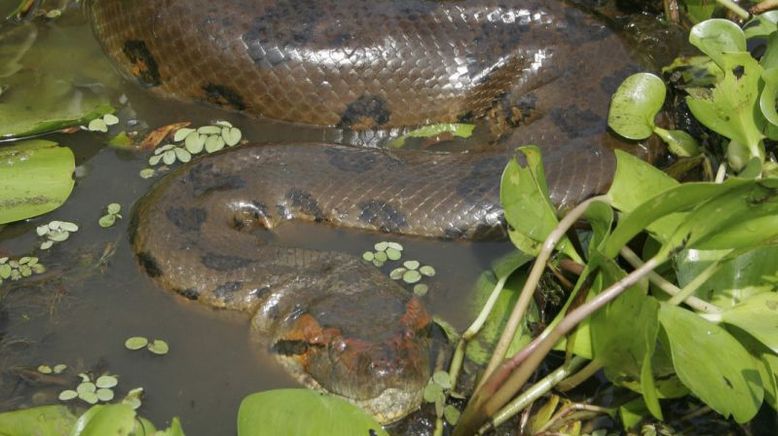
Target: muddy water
x: 94, y: 296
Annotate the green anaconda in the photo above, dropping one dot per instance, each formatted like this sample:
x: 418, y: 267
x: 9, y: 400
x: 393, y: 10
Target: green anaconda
x: 543, y: 68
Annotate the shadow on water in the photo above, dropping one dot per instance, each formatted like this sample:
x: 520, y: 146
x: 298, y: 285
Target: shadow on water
x: 81, y: 311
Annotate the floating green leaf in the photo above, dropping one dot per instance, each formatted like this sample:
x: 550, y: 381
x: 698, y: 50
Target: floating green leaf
x: 635, y: 104
x: 36, y: 177
x: 136, y: 343
x: 44, y: 421
x: 158, y: 346
x: 279, y: 412
x: 712, y: 363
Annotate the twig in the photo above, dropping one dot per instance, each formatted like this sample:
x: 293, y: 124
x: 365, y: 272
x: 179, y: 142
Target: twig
x: 570, y: 408
x: 763, y: 6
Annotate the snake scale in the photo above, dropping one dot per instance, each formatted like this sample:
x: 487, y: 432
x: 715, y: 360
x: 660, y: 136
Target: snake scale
x: 542, y: 70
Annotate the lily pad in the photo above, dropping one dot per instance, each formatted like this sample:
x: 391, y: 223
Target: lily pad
x: 280, y: 411
x: 36, y: 177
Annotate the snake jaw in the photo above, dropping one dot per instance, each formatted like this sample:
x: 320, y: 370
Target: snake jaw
x: 385, y: 378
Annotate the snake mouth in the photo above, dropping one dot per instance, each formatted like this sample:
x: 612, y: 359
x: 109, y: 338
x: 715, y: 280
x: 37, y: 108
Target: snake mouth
x: 384, y: 376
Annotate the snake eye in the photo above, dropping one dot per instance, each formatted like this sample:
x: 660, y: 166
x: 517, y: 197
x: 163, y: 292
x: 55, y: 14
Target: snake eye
x: 287, y: 347
x: 248, y: 215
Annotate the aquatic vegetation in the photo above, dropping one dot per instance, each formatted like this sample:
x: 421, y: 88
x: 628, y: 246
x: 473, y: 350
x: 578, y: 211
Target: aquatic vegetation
x: 112, y: 214
x: 155, y: 346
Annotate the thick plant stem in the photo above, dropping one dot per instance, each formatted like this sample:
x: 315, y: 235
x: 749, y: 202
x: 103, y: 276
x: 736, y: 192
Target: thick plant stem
x: 490, y: 398
x: 734, y: 7
x: 533, y: 393
x: 529, y: 286
x: 579, y: 377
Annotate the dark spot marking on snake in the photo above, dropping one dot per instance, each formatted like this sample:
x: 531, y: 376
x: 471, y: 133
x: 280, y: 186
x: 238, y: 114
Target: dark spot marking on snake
x: 577, y: 122
x: 291, y: 347
x: 149, y: 264
x: 186, y: 219
x: 382, y: 215
x: 364, y: 113
x: 223, y: 96
x: 351, y: 161
x: 190, y: 294
x: 285, y: 25
x: 204, y: 179
x: 220, y: 262
x: 144, y: 66
x: 475, y: 187
x: 305, y: 203
x: 225, y: 290
x: 611, y: 82
x: 580, y: 28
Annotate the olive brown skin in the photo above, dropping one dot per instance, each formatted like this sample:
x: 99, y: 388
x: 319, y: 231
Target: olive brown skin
x: 541, y: 71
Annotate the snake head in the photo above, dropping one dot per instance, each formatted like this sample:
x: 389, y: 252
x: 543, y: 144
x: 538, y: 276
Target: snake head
x: 378, y: 360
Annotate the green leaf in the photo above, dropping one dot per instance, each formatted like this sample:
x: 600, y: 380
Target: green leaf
x: 742, y: 217
x: 528, y: 210
x: 624, y: 331
x: 716, y: 36
x: 175, y: 429
x: 41, y: 421
x: 768, y: 97
x: 770, y: 362
x: 681, y: 198
x: 635, y: 104
x: 280, y: 411
x: 757, y: 316
x: 632, y: 413
x: 740, y: 275
x: 730, y: 108
x: 480, y: 347
x: 636, y: 180
x: 761, y: 25
x: 769, y: 59
x: 699, y: 10
x: 712, y: 364
x: 648, y: 385
x: 455, y: 129
x: 36, y: 177
x: 108, y: 419
x: 679, y: 142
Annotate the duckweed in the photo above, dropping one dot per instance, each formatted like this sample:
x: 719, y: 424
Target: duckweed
x: 112, y: 214
x: 15, y: 269
x: 101, y: 124
x: 55, y: 231
x: 188, y: 142
x: 156, y: 346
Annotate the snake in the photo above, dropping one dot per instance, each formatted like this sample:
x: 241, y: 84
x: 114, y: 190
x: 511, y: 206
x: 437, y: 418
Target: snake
x: 533, y: 71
